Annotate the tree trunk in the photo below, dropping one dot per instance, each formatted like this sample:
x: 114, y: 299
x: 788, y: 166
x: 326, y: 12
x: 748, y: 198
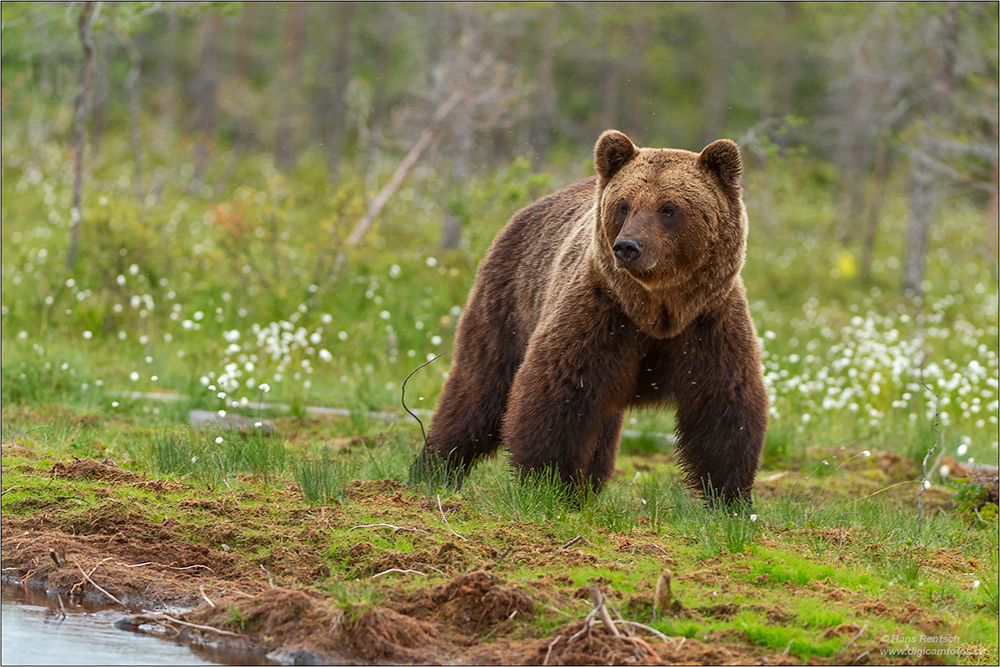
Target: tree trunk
x: 166, y: 82
x: 546, y: 110
x: 881, y: 174
x: 285, y: 151
x: 373, y: 159
x: 941, y: 67
x: 461, y: 159
x: 98, y: 123
x: 717, y: 95
x: 341, y: 65
x: 244, y: 43
x: 81, y: 109
x: 609, y: 112
x: 206, y: 100
x: 134, y: 108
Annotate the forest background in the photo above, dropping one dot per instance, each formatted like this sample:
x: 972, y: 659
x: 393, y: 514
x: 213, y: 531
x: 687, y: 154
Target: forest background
x: 252, y: 213
x: 223, y: 194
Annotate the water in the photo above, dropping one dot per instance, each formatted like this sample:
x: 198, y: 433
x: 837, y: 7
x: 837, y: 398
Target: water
x: 34, y: 632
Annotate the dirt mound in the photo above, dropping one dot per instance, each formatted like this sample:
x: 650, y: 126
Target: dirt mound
x: 449, y: 558
x: 303, y: 627
x: 106, y: 469
x: 119, y: 563
x: 474, y: 603
x: 359, y: 489
x: 575, y: 644
x: 384, y: 634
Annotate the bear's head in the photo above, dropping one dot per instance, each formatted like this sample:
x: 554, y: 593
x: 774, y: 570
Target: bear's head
x: 671, y: 228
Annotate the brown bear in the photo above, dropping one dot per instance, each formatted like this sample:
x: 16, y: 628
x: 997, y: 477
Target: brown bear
x: 621, y: 290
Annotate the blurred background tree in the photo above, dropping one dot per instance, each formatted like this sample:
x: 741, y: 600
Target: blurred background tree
x: 876, y: 95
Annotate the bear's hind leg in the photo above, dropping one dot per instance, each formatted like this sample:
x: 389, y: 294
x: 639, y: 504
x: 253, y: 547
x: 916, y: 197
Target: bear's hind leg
x: 466, y: 423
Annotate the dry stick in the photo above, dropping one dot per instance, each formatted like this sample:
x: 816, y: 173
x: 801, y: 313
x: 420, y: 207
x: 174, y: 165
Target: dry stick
x: 411, y: 158
x: 429, y: 567
x: 169, y: 567
x: 850, y: 643
x: 501, y: 624
x: 549, y: 652
x: 570, y: 543
x: 389, y: 525
x: 226, y: 481
x: 399, y: 571
x: 445, y: 519
x: 21, y: 435
x: 201, y: 589
x: 94, y: 584
x: 652, y: 631
x: 402, y: 394
x: 157, y: 617
x: 9, y: 490
x: 602, y: 611
x: 937, y: 438
x: 269, y: 580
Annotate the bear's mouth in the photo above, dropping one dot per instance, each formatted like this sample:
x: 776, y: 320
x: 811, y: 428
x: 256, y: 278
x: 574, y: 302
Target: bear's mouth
x: 642, y: 276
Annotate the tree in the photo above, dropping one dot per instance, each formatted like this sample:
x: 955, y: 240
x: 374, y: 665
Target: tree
x: 295, y: 34
x: 80, y: 112
x: 941, y: 44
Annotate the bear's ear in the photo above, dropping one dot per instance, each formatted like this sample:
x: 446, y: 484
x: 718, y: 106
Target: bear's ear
x: 611, y: 153
x: 722, y: 158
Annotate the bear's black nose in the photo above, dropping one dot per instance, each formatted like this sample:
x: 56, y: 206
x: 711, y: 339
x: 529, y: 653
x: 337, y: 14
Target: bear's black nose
x: 627, y: 250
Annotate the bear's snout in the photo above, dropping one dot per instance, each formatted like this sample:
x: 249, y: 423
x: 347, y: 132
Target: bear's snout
x: 627, y: 250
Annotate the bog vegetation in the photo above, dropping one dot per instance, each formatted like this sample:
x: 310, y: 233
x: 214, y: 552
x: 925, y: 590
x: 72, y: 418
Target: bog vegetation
x: 216, y: 271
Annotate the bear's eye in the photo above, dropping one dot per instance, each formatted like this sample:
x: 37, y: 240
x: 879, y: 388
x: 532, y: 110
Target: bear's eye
x: 622, y: 209
x: 668, y: 210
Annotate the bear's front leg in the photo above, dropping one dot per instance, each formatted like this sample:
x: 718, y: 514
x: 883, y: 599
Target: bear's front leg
x: 565, y: 406
x: 718, y: 389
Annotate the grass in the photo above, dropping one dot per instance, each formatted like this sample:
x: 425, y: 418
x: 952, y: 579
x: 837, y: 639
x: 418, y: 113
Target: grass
x: 229, y: 293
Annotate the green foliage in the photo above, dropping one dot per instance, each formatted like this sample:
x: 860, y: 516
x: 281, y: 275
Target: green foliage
x: 322, y: 480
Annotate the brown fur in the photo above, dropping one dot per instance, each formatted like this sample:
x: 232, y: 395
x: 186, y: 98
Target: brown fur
x: 560, y: 335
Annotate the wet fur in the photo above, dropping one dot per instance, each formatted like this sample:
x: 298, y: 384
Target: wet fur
x: 557, y: 339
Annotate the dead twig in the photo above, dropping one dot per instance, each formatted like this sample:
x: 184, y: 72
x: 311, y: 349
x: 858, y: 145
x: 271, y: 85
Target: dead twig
x: 937, y: 439
x: 445, y: 519
x: 653, y: 631
x: 399, y: 571
x: 201, y: 589
x: 9, y: 490
x: 429, y: 567
x: 549, y: 652
x: 851, y: 643
x: 270, y: 581
x: 572, y: 542
x: 169, y: 567
x: 158, y: 617
x: 34, y: 428
x: 94, y: 584
x: 226, y: 481
x: 389, y: 525
x: 602, y: 611
x: 501, y: 624
x: 376, y: 206
x: 402, y: 394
